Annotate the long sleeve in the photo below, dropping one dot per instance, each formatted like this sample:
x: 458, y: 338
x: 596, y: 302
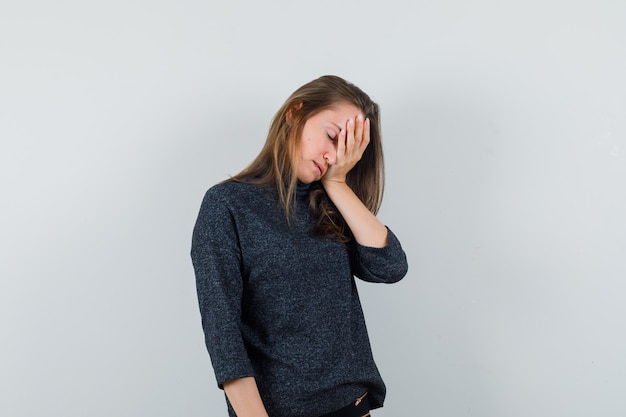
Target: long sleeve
x: 384, y: 265
x: 279, y: 303
x: 216, y: 258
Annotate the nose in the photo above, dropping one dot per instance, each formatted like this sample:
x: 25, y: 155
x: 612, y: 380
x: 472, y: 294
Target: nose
x: 330, y: 153
x: 330, y: 157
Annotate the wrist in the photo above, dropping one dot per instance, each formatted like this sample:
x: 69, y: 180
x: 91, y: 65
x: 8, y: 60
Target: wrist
x: 332, y: 181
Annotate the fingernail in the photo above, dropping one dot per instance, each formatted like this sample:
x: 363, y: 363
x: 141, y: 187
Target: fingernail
x: 360, y: 117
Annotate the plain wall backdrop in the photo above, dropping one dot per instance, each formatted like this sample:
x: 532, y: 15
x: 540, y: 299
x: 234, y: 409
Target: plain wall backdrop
x: 505, y: 140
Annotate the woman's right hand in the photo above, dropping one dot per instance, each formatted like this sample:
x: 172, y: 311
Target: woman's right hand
x: 351, y: 143
x: 244, y: 396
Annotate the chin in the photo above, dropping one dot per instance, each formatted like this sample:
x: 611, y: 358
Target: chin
x: 306, y: 179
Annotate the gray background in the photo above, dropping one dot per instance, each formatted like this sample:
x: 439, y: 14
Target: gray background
x: 505, y: 136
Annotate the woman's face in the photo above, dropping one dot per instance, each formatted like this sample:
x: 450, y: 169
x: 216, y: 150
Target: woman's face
x: 318, y: 144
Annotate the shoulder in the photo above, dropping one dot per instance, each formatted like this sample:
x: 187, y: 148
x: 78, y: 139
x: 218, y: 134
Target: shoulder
x: 230, y: 202
x: 225, y: 189
x: 235, y: 193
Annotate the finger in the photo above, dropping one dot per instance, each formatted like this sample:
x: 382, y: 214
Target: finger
x: 350, y: 136
x: 366, y: 134
x: 358, y: 134
x: 341, y: 145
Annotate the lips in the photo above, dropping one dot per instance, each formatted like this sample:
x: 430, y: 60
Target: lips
x: 321, y: 168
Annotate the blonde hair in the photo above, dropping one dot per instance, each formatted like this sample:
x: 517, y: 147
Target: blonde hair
x: 275, y: 165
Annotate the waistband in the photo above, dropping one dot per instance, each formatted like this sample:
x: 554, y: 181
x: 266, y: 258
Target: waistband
x: 360, y: 407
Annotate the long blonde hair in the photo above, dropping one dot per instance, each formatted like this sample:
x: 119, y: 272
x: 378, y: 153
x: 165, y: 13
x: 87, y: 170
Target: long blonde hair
x: 275, y: 164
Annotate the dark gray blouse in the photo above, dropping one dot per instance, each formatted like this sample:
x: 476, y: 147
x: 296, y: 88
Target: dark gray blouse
x: 282, y: 305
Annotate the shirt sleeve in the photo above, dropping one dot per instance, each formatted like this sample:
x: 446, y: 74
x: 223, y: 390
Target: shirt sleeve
x: 216, y: 258
x: 384, y: 265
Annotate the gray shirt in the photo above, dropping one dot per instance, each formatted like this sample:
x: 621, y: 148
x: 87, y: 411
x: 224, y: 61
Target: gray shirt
x: 282, y: 305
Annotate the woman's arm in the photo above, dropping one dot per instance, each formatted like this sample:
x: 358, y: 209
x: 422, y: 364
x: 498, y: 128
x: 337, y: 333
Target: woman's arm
x: 217, y: 262
x: 366, y: 228
x: 244, y: 396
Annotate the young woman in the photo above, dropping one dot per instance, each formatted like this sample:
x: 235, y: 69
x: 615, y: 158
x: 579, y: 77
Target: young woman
x: 276, y: 249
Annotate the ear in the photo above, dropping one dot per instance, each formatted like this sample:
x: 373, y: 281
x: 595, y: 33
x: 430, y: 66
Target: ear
x: 292, y: 109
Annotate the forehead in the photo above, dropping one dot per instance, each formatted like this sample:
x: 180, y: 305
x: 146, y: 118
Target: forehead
x: 338, y: 113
